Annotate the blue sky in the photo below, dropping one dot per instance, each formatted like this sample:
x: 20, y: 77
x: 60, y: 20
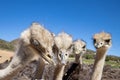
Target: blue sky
x: 80, y: 18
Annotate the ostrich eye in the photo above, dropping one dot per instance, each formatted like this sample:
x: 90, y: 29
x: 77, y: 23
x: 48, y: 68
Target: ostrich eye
x: 107, y: 41
x: 84, y: 46
x: 94, y: 40
x: 34, y: 42
x: 60, y: 55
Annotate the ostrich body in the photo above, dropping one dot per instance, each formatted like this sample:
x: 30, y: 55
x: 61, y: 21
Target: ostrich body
x: 79, y: 48
x: 63, y: 42
x: 102, y: 42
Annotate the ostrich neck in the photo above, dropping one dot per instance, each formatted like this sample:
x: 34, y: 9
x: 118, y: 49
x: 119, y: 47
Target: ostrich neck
x: 99, y: 63
x: 12, y: 74
x: 77, y: 57
x: 59, y: 71
x: 11, y: 70
x: 78, y: 60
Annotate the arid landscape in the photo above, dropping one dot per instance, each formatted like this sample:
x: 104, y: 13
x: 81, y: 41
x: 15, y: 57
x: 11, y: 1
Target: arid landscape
x: 6, y: 50
x: 5, y: 55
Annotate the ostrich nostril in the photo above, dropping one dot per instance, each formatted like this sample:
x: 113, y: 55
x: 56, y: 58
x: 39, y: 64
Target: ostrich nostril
x: 65, y: 54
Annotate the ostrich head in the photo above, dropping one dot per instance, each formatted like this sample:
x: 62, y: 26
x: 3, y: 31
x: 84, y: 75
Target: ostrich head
x: 40, y: 39
x: 63, y: 42
x: 79, y: 47
x: 102, y: 39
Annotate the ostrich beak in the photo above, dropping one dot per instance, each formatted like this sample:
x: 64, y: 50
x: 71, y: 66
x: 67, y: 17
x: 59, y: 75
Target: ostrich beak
x: 47, y: 58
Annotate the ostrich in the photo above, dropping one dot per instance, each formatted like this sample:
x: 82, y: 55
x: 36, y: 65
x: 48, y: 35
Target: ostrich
x: 61, y: 50
x: 78, y: 48
x: 102, y: 42
x: 35, y: 43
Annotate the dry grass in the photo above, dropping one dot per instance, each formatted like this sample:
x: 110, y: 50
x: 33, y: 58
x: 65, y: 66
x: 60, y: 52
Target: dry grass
x: 5, y: 55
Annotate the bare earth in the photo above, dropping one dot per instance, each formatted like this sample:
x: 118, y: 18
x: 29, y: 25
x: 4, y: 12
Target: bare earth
x: 5, y: 55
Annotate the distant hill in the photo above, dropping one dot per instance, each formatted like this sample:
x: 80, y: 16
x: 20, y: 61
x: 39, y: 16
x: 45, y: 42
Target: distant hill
x: 90, y: 51
x: 89, y: 54
x: 6, y: 45
x: 14, y: 42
